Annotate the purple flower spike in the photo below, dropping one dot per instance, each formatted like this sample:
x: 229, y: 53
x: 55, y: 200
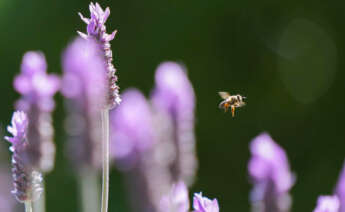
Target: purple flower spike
x: 270, y: 173
x: 37, y: 89
x: 96, y: 30
x: 203, y: 204
x: 36, y: 86
x: 7, y: 203
x: 177, y: 200
x: 340, y: 189
x: 27, y: 181
x: 136, y: 153
x: 85, y: 91
x: 132, y: 129
x: 327, y: 204
x: 173, y: 98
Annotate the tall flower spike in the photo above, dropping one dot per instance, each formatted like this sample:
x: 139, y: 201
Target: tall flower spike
x: 173, y: 97
x: 177, y: 200
x: 327, y: 204
x: 340, y: 189
x: 83, y: 85
x: 132, y: 130
x: 132, y: 146
x: 203, y: 204
x: 27, y: 181
x: 96, y: 30
x: 7, y: 203
x: 270, y: 173
x: 37, y: 89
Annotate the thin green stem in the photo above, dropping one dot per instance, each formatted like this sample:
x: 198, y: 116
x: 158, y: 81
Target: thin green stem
x: 89, y: 190
x: 28, y: 206
x: 40, y: 204
x: 105, y: 141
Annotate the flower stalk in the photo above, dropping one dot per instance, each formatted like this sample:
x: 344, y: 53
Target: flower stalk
x: 89, y: 190
x: 96, y: 30
x: 105, y: 177
x: 28, y: 206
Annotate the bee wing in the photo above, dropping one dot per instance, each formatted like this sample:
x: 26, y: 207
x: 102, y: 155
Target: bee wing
x: 242, y: 104
x: 224, y: 94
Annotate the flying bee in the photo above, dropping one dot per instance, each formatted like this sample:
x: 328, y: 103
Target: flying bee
x: 231, y: 101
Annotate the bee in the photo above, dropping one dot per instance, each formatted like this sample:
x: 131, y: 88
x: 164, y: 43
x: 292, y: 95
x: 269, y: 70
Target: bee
x: 231, y: 101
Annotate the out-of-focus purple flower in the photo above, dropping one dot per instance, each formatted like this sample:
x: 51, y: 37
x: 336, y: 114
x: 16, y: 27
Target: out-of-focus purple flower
x: 270, y: 173
x: 177, y: 200
x: 96, y: 30
x: 327, y: 204
x: 138, y: 152
x: 34, y: 84
x: 132, y: 129
x: 83, y: 85
x: 340, y: 189
x: 203, y: 204
x: 27, y: 181
x: 37, y: 89
x: 173, y: 97
x: 132, y: 140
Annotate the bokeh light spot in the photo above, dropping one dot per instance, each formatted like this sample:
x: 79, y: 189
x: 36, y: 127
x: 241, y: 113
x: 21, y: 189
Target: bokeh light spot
x: 308, y: 60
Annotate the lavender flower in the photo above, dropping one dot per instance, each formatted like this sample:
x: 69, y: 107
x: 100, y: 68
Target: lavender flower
x: 27, y: 181
x: 83, y: 84
x: 34, y: 84
x: 132, y: 147
x: 37, y: 89
x: 132, y: 129
x: 6, y: 202
x: 203, y: 204
x: 340, y: 189
x: 96, y: 30
x: 327, y: 204
x: 177, y: 200
x: 174, y: 100
x: 270, y: 174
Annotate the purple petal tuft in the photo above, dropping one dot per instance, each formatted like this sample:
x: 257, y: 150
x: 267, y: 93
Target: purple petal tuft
x: 203, y: 204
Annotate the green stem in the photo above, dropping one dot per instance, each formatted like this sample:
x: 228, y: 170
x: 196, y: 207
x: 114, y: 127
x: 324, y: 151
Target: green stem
x: 89, y: 190
x: 105, y: 141
x: 28, y: 206
x: 39, y: 205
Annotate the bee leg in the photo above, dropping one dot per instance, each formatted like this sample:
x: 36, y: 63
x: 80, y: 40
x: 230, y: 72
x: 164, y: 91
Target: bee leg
x: 226, y: 106
x: 233, y: 111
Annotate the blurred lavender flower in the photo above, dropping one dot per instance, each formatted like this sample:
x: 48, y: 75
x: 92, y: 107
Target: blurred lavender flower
x: 83, y: 84
x: 203, y: 204
x: 132, y: 129
x: 174, y: 100
x: 27, y: 181
x: 132, y: 146
x: 270, y: 173
x: 34, y: 84
x: 96, y: 30
x: 37, y: 89
x: 177, y: 200
x: 340, y: 189
x: 327, y: 204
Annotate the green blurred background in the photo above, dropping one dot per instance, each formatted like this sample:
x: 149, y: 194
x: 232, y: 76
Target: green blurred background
x: 285, y: 56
